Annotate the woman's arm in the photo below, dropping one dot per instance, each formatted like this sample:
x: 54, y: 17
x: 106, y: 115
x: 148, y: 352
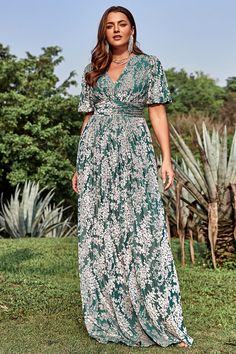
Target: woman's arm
x: 159, y: 121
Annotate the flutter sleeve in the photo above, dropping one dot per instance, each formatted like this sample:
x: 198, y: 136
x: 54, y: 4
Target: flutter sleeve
x: 158, y: 91
x: 86, y: 103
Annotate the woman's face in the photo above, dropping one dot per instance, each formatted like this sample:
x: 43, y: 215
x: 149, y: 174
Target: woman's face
x: 118, y: 29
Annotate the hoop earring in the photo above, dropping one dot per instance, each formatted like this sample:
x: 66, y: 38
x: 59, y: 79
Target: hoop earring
x: 131, y: 44
x: 107, y: 47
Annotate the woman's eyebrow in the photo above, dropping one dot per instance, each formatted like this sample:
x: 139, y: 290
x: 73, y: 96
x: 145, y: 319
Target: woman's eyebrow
x: 114, y: 22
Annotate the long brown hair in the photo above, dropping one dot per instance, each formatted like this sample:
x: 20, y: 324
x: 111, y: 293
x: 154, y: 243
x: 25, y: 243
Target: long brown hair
x: 100, y: 58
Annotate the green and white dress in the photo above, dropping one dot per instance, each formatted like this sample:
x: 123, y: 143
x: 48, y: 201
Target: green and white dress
x: 128, y: 281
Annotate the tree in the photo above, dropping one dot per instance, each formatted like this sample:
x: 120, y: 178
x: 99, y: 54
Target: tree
x: 231, y: 84
x: 194, y: 93
x: 228, y: 110
x: 39, y: 122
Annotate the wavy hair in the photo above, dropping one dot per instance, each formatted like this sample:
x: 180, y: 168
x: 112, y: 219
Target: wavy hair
x: 100, y: 59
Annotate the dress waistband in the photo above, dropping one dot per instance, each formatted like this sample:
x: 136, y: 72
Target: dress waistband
x: 120, y: 112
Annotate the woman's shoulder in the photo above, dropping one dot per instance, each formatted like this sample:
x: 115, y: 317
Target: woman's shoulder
x: 151, y: 58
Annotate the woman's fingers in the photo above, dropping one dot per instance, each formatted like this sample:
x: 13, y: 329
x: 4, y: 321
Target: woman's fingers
x: 168, y: 185
x: 168, y: 175
x: 163, y: 176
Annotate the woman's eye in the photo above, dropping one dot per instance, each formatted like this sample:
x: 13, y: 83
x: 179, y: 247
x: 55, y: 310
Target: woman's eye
x: 122, y: 25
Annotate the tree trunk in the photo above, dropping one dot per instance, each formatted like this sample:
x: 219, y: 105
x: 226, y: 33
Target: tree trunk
x: 179, y: 222
x: 192, y: 254
x: 234, y: 205
x: 225, y: 249
x: 225, y: 245
x: 213, y: 228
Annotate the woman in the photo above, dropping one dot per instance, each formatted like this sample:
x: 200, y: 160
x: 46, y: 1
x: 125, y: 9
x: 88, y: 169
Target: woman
x: 128, y: 281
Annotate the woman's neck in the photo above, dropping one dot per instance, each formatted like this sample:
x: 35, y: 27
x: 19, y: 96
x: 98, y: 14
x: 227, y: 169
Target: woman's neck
x: 118, y: 53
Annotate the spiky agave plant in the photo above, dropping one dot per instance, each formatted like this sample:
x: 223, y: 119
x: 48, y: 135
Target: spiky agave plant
x: 214, y: 188
x: 178, y: 204
x: 54, y: 224
x: 29, y: 213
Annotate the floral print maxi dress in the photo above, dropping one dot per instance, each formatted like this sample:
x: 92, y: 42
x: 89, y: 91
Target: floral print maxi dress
x: 128, y: 281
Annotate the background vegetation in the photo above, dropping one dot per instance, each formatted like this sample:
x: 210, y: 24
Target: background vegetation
x: 40, y: 306
x: 40, y: 125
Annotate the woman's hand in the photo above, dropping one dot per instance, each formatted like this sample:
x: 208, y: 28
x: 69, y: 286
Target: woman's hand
x: 167, y: 173
x: 75, y: 182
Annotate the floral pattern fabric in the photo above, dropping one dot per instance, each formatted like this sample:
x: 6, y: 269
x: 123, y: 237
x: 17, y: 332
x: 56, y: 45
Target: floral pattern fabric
x: 128, y: 280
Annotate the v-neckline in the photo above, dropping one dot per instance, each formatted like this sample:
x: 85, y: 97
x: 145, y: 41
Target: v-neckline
x: 121, y: 74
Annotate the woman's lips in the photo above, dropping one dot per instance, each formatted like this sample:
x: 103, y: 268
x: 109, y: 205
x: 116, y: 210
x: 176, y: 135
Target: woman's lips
x: 117, y: 37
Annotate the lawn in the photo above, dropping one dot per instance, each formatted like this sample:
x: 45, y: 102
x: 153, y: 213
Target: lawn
x: 40, y: 307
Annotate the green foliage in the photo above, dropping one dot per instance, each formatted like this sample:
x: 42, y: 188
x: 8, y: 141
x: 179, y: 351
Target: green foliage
x: 213, y: 188
x: 195, y: 93
x: 231, y: 84
x: 40, y: 125
x: 29, y: 213
x: 228, y: 111
x: 39, y: 122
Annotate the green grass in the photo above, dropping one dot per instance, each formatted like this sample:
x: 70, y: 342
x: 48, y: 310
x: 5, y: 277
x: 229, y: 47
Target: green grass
x: 40, y: 307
